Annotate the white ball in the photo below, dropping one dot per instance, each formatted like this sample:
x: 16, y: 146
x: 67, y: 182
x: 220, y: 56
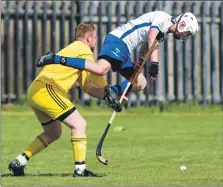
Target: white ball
x: 183, y: 168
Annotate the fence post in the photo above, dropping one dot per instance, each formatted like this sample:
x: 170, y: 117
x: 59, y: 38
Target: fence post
x: 109, y: 28
x: 164, y: 59
x: 118, y: 23
x: 176, y: 59
x: 80, y: 9
x: 34, y: 39
x: 80, y: 16
x: 146, y: 67
x: 136, y: 51
x: 16, y: 52
x: 155, y: 6
x: 166, y: 68
x: 71, y: 39
x: 155, y: 82
x: 90, y: 12
x: 185, y: 64
x: 71, y: 24
x: 127, y: 12
x: 62, y: 25
x: 7, y: 53
x: 99, y: 32
x: 203, y: 54
x: 212, y: 54
x: 99, y: 25
x: 53, y: 27
x: 26, y: 48
x: 44, y: 20
x: 221, y: 50
x: 127, y: 15
x: 194, y: 61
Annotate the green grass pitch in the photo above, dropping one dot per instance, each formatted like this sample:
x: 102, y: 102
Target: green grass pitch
x: 149, y: 152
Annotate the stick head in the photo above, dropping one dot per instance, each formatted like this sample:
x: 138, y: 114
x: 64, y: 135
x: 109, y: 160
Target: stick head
x: 99, y: 146
x: 102, y: 160
x: 99, y: 157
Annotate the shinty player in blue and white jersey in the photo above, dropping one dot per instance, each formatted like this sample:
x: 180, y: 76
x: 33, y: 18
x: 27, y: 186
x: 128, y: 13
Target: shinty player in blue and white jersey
x: 119, y: 44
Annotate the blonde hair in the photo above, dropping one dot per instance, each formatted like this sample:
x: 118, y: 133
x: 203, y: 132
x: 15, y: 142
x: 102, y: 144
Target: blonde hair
x: 83, y: 28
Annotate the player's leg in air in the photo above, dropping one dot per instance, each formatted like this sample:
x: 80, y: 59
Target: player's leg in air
x: 57, y: 109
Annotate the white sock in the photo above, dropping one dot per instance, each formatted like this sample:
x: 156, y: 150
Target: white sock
x: 80, y: 168
x: 22, y: 160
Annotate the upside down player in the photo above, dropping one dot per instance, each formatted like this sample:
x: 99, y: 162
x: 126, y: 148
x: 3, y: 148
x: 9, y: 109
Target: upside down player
x: 119, y: 43
x: 47, y: 98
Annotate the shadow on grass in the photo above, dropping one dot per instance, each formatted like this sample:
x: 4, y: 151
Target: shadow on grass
x: 41, y: 175
x: 46, y: 175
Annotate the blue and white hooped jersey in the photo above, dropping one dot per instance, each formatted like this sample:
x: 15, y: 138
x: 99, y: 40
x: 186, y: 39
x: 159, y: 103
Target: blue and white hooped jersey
x: 135, y: 32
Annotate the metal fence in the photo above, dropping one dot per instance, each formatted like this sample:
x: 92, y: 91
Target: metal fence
x: 190, y: 70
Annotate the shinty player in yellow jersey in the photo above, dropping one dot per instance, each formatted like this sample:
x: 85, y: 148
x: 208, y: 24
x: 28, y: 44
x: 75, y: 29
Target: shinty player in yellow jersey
x: 47, y: 97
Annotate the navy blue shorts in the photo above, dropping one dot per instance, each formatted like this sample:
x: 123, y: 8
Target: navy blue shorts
x: 116, y: 52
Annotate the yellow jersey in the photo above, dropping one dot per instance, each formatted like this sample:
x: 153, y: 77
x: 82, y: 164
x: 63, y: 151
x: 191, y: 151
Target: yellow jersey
x: 64, y: 77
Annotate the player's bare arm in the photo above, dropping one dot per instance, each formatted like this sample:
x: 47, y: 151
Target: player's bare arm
x: 151, y: 37
x: 100, y: 68
x: 154, y: 66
